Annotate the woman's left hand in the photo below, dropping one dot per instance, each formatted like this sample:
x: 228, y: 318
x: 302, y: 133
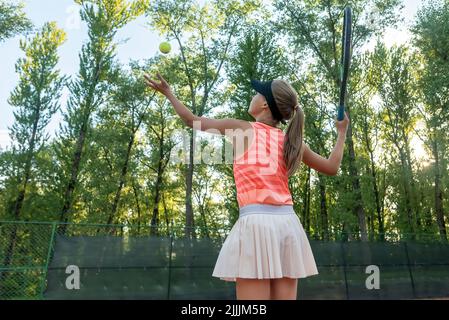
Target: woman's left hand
x: 162, y: 87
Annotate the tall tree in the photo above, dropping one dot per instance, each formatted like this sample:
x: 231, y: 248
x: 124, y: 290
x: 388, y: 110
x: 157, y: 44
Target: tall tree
x: 367, y: 131
x: 431, y: 31
x: 396, y: 86
x: 204, y: 35
x: 128, y: 109
x: 160, y: 127
x: 104, y: 18
x: 36, y: 99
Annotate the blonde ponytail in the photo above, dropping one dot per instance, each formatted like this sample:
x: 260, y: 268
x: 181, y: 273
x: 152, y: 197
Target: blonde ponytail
x: 287, y: 103
x: 293, y: 143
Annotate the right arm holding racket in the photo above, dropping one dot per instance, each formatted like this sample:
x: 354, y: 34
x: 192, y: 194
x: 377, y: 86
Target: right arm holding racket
x: 330, y: 165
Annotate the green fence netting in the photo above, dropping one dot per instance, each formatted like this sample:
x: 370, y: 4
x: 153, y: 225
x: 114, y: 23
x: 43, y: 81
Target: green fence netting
x: 24, y: 254
x: 136, y: 262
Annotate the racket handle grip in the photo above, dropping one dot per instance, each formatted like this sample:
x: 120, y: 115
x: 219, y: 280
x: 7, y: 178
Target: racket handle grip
x: 341, y: 113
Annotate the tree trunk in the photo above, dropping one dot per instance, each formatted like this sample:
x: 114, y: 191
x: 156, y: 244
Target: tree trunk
x: 121, y: 181
x: 75, y: 167
x: 370, y: 215
x: 155, y: 215
x: 407, y: 194
x: 203, y: 216
x: 382, y: 193
x: 414, y: 199
x: 20, y: 199
x: 358, y: 206
x: 21, y: 195
x: 136, y: 196
x: 380, y: 221
x: 73, y: 178
x: 373, y: 172
x: 438, y: 193
x: 306, y: 201
x: 323, y: 209
x: 167, y: 218
x: 190, y: 223
x: 160, y: 172
x: 347, y: 234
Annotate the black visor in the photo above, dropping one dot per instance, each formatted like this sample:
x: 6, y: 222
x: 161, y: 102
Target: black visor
x: 264, y: 88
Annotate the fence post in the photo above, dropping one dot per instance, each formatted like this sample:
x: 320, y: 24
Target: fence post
x: 47, y: 262
x: 410, y: 269
x: 344, y: 269
x: 169, y: 263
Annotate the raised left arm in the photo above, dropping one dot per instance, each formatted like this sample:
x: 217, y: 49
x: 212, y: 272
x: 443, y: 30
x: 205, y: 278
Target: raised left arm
x: 187, y: 116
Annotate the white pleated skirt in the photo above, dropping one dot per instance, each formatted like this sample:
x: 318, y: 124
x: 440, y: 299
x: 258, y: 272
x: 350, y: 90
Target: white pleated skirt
x: 266, y: 242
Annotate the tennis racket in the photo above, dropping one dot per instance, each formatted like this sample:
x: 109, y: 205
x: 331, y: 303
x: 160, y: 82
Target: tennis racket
x: 346, y: 50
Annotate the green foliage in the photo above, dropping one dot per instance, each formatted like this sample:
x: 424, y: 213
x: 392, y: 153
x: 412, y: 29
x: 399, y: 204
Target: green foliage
x: 13, y: 20
x: 123, y: 134
x: 430, y: 32
x: 256, y: 55
x: 315, y: 27
x: 36, y: 100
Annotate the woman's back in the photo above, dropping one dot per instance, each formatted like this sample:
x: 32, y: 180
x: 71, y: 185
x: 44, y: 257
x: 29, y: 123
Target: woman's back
x: 260, y: 173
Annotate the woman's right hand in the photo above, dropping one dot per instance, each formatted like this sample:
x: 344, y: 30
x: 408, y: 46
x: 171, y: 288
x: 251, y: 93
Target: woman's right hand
x: 342, y: 126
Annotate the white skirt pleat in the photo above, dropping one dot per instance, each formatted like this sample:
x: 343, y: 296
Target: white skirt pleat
x: 266, y: 246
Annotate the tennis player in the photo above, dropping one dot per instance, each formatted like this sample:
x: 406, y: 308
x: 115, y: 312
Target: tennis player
x: 267, y: 249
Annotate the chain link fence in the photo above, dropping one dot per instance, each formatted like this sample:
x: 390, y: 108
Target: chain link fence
x: 27, y: 249
x: 24, y: 256
x: 143, y: 262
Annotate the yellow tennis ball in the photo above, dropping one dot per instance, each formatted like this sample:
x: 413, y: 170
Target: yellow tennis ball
x: 165, y: 47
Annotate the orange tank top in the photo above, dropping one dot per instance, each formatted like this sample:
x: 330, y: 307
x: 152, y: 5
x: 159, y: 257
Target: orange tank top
x: 260, y: 173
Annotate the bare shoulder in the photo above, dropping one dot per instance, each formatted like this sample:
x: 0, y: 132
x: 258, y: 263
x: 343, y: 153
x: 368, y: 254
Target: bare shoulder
x: 224, y: 126
x: 243, y: 124
x: 239, y: 127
